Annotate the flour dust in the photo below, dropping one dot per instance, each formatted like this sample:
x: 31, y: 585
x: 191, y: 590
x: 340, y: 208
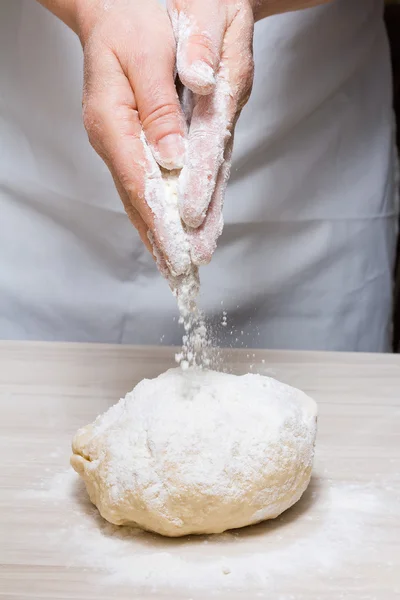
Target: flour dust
x: 333, y: 527
x: 196, y: 343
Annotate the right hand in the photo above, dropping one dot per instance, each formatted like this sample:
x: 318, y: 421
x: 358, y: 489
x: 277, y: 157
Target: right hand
x: 215, y: 62
x: 132, y: 113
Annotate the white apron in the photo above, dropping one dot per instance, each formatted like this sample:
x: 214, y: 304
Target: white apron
x: 306, y: 257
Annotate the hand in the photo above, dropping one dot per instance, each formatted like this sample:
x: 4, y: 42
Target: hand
x: 214, y: 61
x: 134, y: 119
x: 132, y: 113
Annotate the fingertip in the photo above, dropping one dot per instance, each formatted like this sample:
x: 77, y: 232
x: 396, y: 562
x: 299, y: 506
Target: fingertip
x: 201, y: 251
x: 170, y: 261
x: 169, y: 151
x: 190, y: 215
x: 201, y: 259
x: 199, y: 44
x: 178, y: 265
x: 199, y: 77
x: 190, y: 212
x: 194, y: 193
x: 174, y: 251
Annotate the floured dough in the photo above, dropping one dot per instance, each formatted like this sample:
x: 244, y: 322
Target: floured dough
x: 198, y: 452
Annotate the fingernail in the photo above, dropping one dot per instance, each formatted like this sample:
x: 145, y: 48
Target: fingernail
x: 171, y: 151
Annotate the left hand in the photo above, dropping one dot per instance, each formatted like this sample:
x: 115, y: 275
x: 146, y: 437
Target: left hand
x: 214, y: 60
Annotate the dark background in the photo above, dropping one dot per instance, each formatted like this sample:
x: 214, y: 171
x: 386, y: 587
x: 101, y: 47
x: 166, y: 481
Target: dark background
x: 392, y: 19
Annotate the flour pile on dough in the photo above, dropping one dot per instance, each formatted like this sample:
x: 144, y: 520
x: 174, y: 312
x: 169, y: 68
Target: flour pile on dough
x: 198, y: 451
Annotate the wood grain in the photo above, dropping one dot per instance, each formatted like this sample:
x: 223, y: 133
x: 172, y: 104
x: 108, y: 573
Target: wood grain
x: 341, y: 541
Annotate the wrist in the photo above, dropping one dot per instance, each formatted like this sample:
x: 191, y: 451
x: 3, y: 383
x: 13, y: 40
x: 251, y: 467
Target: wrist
x: 86, y: 14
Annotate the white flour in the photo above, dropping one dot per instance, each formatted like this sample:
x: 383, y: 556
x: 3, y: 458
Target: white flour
x: 329, y: 528
x: 196, y: 348
x: 172, y: 238
x: 196, y: 343
x: 170, y: 194
x: 185, y: 286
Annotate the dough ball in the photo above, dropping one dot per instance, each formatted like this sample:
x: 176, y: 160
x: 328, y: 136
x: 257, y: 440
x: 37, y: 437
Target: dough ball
x: 198, y: 452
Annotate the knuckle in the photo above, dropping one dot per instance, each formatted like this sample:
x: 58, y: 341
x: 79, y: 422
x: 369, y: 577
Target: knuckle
x: 204, y: 41
x: 162, y: 115
x: 245, y: 77
x: 246, y: 71
x: 93, y: 117
x: 201, y: 252
x: 200, y: 47
x: 128, y: 183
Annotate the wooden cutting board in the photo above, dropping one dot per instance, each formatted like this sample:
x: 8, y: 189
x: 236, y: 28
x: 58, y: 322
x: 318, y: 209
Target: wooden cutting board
x: 340, y: 542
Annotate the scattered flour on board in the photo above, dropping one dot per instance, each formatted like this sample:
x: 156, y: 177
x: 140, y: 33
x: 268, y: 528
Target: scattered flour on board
x: 336, y: 531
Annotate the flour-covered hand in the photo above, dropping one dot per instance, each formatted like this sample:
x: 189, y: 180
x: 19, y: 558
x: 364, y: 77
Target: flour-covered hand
x: 215, y: 62
x: 132, y: 112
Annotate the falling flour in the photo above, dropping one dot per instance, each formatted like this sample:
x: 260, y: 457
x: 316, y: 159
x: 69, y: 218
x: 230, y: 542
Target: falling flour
x: 209, y: 150
x: 196, y: 345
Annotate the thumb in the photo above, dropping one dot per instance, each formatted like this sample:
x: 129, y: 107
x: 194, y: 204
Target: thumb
x: 150, y: 70
x: 199, y: 27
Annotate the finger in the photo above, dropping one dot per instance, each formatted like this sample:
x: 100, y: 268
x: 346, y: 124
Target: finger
x: 151, y: 72
x: 208, y: 135
x: 159, y: 258
x: 199, y: 27
x: 161, y: 194
x: 134, y: 216
x: 203, y: 240
x: 213, y: 121
x: 144, y: 232
x: 114, y: 130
